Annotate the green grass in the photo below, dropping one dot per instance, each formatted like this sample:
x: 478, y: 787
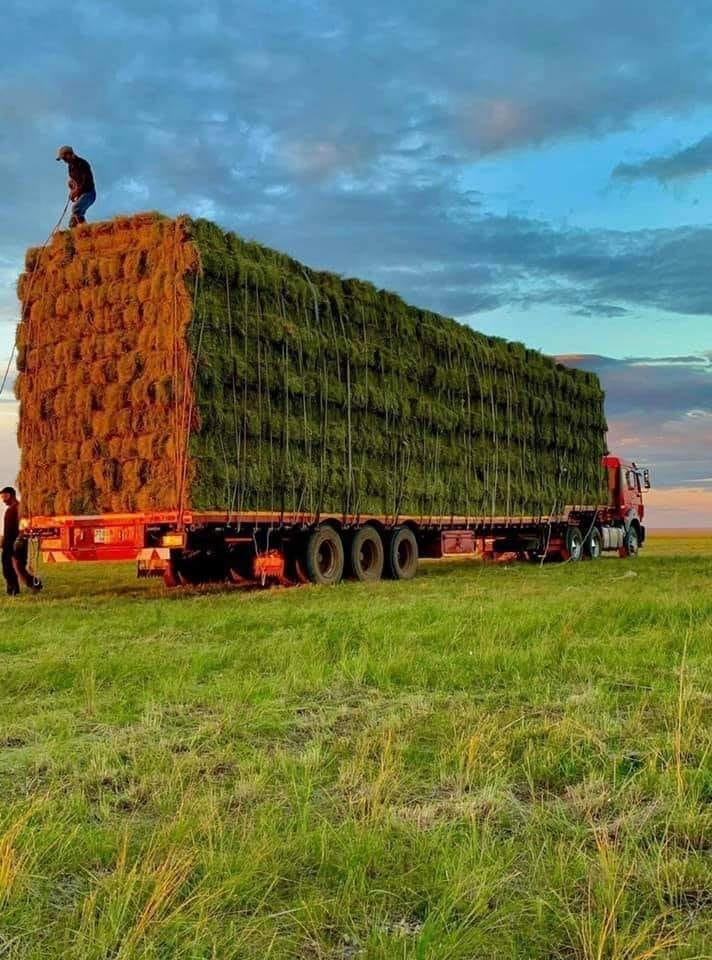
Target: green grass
x: 488, y: 762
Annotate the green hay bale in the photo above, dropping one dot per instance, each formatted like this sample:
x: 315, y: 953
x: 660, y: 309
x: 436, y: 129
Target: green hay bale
x: 324, y: 394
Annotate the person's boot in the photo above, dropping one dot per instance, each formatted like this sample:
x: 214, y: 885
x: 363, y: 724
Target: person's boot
x: 73, y: 221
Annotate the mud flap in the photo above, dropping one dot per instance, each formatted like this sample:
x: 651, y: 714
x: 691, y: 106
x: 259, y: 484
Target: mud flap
x: 152, y: 561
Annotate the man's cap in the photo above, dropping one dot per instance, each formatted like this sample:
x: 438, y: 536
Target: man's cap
x: 10, y: 490
x: 62, y: 151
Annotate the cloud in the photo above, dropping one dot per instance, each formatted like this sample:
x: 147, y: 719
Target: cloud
x: 348, y: 134
x: 342, y: 132
x: 678, y: 508
x: 659, y: 412
x: 692, y: 161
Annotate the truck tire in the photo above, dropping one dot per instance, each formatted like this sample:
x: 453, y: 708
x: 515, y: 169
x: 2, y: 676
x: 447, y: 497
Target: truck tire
x: 573, y: 542
x: 631, y: 541
x: 324, y: 556
x: 366, y: 555
x: 593, y: 547
x: 402, y: 554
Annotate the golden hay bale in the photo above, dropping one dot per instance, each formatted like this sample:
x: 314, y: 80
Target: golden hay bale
x: 74, y: 272
x: 115, y: 447
x: 73, y: 301
x: 97, y: 473
x: 146, y: 340
x: 122, y: 421
x: 143, y: 290
x: 115, y: 397
x: 131, y: 473
x: 129, y: 448
x: 99, y: 297
x: 73, y: 475
x: 145, y: 499
x: 83, y: 404
x: 86, y: 298
x: 96, y: 373
x: 169, y: 448
x: 137, y: 394
x: 61, y: 405
x: 101, y: 424
x: 56, y: 451
x: 92, y: 272
x: 88, y: 451
x: 132, y: 316
x: 102, y: 344
x: 149, y: 312
x: 145, y: 446
x: 126, y: 368
x: 116, y: 267
x: 164, y: 390
x: 114, y: 291
x: 139, y: 420
x: 60, y: 376
x: 132, y: 265
x: 110, y: 370
x: 123, y: 291
x: 158, y: 285
x: 87, y: 349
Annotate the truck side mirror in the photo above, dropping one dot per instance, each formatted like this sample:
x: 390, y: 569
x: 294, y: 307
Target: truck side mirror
x: 646, y: 478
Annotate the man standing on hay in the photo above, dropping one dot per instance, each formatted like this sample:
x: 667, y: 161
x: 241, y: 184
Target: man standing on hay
x: 82, y: 192
x: 14, y: 549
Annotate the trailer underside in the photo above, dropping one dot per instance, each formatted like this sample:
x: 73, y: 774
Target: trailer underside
x: 264, y: 547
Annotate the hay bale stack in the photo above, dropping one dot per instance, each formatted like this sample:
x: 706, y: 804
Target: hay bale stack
x: 305, y: 392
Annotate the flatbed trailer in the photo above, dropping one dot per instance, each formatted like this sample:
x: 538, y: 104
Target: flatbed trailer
x: 286, y: 548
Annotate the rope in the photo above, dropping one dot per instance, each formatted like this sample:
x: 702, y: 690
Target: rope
x: 181, y: 459
x: 189, y: 414
x: 233, y: 497
x: 35, y: 385
x: 29, y: 292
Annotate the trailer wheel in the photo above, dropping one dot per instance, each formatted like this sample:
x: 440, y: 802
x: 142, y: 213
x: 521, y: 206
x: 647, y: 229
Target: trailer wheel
x: 324, y: 556
x: 366, y: 555
x: 593, y: 547
x: 402, y: 554
x: 574, y: 544
x: 631, y: 541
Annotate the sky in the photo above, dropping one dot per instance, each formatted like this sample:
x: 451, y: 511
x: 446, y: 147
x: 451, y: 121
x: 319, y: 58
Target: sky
x: 542, y: 172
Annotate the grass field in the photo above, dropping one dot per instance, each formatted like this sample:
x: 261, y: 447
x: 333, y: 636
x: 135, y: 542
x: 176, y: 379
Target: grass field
x: 488, y: 762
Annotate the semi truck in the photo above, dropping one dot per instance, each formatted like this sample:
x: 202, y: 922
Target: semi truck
x: 267, y: 547
x: 215, y: 410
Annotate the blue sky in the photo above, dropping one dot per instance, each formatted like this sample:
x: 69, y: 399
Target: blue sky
x: 543, y: 172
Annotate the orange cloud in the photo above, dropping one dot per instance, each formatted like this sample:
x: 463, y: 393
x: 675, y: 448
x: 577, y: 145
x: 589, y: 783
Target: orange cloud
x: 679, y: 507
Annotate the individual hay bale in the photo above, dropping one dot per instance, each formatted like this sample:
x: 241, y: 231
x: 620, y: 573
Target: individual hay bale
x: 145, y: 447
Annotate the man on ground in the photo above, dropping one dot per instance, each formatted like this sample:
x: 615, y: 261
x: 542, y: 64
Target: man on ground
x: 14, y: 548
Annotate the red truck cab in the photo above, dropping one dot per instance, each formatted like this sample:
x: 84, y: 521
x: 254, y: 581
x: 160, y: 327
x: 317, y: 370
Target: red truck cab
x: 626, y: 482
